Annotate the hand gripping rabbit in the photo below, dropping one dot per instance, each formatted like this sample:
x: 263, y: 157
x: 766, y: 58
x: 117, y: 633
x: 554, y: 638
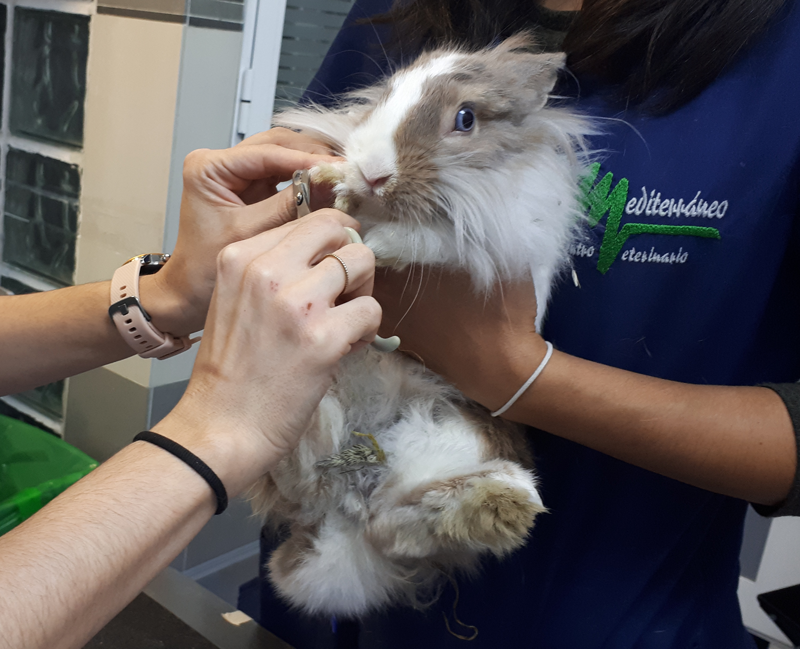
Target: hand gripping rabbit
x: 454, y: 161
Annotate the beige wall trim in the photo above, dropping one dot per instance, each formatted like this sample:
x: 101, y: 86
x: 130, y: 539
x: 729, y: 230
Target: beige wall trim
x: 142, y: 15
x: 212, y: 14
x: 154, y: 6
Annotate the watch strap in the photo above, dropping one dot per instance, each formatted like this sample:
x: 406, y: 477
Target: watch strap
x: 133, y: 322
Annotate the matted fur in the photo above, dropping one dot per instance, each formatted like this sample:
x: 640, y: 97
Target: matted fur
x: 501, y: 202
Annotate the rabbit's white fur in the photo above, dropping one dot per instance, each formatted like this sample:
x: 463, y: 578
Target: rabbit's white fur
x: 501, y: 202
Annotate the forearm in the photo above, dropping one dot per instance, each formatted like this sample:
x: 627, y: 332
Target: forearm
x: 229, y: 196
x: 52, y: 335
x: 737, y: 441
x: 72, y: 566
x: 68, y: 570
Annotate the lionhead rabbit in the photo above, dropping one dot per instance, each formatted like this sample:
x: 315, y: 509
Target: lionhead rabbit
x: 455, y: 161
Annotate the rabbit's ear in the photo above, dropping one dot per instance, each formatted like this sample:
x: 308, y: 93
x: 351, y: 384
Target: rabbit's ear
x: 516, y: 60
x: 543, y: 73
x: 521, y: 42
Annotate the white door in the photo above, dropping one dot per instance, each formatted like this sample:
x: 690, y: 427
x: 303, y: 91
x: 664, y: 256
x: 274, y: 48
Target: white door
x: 284, y: 45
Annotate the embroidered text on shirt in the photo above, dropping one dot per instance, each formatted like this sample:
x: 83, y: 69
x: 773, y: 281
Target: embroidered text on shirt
x: 600, y: 199
x: 653, y: 206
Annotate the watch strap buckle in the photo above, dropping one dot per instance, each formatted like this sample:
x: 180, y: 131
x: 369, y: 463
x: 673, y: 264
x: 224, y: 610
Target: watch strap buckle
x: 130, y: 317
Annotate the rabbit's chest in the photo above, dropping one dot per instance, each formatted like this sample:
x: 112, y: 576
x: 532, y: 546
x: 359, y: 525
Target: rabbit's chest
x: 376, y: 390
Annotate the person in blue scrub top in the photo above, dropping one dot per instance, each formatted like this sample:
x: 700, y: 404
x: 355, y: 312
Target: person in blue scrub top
x: 652, y: 424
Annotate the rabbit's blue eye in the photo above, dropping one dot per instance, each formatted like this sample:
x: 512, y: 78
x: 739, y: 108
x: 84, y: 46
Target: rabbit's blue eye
x: 465, y: 120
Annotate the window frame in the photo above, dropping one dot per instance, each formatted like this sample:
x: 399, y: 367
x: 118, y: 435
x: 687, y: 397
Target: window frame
x: 261, y: 51
x: 61, y: 152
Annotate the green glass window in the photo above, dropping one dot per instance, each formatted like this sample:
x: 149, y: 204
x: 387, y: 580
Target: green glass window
x: 48, y: 75
x: 40, y: 223
x: 46, y: 398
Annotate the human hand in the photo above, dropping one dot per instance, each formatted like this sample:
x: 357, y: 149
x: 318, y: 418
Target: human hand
x: 485, y: 345
x: 272, y: 341
x: 228, y: 195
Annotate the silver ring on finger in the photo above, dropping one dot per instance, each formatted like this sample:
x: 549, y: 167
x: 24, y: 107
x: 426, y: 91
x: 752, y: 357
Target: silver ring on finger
x: 344, y: 268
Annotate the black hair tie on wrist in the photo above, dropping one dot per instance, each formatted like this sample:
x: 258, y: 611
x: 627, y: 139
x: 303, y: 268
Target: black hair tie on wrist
x: 202, y: 469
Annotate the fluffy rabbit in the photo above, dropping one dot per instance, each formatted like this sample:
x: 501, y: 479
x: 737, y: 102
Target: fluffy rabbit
x: 454, y: 161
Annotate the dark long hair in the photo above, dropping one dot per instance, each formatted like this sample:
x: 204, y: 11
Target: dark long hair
x: 660, y: 53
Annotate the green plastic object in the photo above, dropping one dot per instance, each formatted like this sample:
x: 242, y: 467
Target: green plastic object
x: 35, y: 467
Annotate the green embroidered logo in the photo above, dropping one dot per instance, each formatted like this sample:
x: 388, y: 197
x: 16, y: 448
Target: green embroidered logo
x: 600, y: 199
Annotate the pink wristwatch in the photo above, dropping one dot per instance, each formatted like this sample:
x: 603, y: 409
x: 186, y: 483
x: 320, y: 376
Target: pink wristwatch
x: 129, y: 316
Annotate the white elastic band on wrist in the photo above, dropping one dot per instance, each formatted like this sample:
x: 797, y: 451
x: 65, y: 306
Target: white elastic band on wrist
x: 527, y: 383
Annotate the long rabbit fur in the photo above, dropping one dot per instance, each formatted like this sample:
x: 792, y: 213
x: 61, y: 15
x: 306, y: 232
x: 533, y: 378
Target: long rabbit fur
x: 375, y: 524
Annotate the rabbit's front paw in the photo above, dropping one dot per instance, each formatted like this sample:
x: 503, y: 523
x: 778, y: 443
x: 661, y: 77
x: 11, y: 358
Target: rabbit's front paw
x: 389, y: 248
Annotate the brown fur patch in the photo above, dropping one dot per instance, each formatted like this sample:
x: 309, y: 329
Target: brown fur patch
x: 292, y: 552
x: 501, y: 439
x: 504, y: 93
x: 415, y: 496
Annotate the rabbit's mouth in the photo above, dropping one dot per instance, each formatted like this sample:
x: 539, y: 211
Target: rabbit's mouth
x: 394, y: 222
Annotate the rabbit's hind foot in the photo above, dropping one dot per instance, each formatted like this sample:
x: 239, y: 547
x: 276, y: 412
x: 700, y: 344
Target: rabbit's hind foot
x: 491, y: 510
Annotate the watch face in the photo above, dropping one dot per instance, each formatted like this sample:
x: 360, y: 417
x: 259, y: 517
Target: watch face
x: 151, y: 262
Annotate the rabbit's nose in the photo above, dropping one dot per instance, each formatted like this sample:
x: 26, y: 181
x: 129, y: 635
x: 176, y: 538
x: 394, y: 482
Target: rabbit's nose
x: 377, y: 182
x: 376, y: 173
